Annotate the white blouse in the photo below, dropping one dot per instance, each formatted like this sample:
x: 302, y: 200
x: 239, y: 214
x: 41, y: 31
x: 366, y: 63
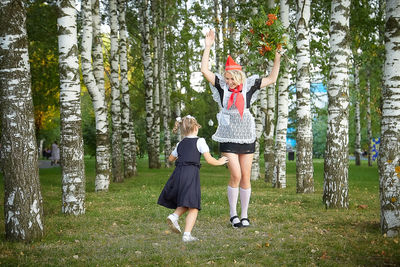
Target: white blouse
x: 201, y: 145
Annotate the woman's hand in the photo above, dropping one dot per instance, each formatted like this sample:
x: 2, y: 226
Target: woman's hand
x: 210, y: 37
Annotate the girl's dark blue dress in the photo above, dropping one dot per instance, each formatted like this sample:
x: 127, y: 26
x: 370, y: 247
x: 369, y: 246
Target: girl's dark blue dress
x: 183, y: 186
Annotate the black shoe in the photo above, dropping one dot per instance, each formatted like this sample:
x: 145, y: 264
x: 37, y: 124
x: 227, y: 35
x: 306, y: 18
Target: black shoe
x: 236, y: 225
x: 245, y: 222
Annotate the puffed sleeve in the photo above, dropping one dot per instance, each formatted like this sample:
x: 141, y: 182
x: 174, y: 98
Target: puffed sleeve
x: 202, y: 146
x: 253, y: 84
x: 175, y: 151
x: 217, y: 90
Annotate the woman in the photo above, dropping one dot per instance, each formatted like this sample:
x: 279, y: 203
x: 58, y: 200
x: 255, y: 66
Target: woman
x: 236, y: 134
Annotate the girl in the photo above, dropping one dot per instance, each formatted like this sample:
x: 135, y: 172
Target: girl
x: 182, y: 190
x: 236, y: 133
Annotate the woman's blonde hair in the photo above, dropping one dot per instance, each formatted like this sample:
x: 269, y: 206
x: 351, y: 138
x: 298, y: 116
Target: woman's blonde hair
x: 186, y: 125
x: 237, y: 75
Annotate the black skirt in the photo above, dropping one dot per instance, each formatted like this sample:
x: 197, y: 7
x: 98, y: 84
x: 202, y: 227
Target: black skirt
x: 237, y: 148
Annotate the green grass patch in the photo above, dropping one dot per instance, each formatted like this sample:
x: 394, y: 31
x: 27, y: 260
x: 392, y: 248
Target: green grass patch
x: 125, y: 226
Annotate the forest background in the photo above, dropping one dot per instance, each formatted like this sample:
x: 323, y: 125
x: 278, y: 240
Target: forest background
x: 108, y: 79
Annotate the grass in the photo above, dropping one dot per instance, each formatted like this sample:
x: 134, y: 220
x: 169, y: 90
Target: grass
x: 125, y: 226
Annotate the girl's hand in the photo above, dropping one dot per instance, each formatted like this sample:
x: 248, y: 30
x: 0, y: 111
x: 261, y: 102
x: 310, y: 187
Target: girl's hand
x: 223, y: 160
x: 210, y: 37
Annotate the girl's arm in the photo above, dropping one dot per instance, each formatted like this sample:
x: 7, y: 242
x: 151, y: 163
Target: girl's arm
x: 172, y: 158
x: 209, y: 40
x: 274, y: 73
x: 215, y: 162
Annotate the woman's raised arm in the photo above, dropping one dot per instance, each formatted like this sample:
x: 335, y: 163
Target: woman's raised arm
x: 274, y: 72
x: 209, y: 40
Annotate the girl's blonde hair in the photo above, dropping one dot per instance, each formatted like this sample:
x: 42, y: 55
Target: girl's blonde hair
x: 237, y: 75
x: 186, y: 125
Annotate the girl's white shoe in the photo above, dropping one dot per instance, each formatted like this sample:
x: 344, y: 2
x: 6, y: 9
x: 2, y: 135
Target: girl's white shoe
x: 189, y: 238
x: 173, y: 224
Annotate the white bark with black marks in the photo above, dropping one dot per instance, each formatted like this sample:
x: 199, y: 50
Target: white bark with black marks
x: 23, y: 204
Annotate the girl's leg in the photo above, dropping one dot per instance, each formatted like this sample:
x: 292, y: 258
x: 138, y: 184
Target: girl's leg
x: 233, y: 186
x: 245, y: 186
x: 173, y: 218
x: 191, y: 219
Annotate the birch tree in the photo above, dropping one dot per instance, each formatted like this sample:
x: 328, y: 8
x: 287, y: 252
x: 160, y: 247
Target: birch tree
x: 126, y: 119
x: 90, y: 31
x: 148, y: 79
x: 116, y: 141
x: 304, y: 140
x: 165, y: 95
x: 269, y: 157
x: 156, y: 79
x: 357, y: 121
x: 369, y: 121
x: 72, y: 164
x: 336, y: 154
x: 23, y: 203
x: 279, y: 175
x: 389, y: 159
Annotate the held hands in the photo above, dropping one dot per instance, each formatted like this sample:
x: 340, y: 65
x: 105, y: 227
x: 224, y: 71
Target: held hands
x: 210, y: 37
x: 223, y: 160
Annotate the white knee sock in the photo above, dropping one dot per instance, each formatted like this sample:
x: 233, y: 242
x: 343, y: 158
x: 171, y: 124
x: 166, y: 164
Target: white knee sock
x: 233, y: 194
x: 244, y: 201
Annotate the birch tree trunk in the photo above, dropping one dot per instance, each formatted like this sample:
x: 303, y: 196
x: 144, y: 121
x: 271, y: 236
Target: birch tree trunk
x: 96, y: 90
x: 389, y: 151
x: 269, y: 157
x: 259, y: 117
x: 72, y: 164
x: 116, y: 138
x: 304, y: 143
x: 165, y: 99
x: 357, y: 122
x: 369, y: 123
x: 156, y: 77
x: 23, y: 204
x: 279, y: 175
x: 148, y: 80
x: 177, y: 89
x: 336, y: 153
x: 125, y: 100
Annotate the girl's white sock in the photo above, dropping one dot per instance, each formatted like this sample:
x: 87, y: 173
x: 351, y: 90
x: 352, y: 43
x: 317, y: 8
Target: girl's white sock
x: 186, y: 233
x: 233, y: 194
x: 175, y: 215
x: 244, y: 201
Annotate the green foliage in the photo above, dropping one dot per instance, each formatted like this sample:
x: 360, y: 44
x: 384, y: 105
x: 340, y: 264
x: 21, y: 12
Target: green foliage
x: 265, y: 34
x: 43, y: 57
x: 125, y: 226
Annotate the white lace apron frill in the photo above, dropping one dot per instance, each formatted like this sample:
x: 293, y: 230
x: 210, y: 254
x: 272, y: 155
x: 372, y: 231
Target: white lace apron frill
x: 231, y: 127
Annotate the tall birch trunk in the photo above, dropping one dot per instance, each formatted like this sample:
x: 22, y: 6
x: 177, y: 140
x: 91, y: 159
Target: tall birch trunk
x: 126, y: 130
x: 279, y: 175
x: 369, y: 123
x: 259, y: 117
x: 116, y: 137
x: 269, y: 157
x: 23, y: 203
x: 389, y: 151
x: 357, y: 121
x: 176, y: 87
x: 165, y: 96
x: 304, y: 142
x: 72, y: 163
x: 336, y: 162
x: 96, y: 90
x: 148, y: 80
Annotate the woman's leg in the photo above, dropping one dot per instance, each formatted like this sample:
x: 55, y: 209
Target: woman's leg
x: 233, y: 186
x: 245, y: 186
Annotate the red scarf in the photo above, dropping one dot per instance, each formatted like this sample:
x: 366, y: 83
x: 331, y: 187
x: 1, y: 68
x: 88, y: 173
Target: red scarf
x: 239, y: 103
